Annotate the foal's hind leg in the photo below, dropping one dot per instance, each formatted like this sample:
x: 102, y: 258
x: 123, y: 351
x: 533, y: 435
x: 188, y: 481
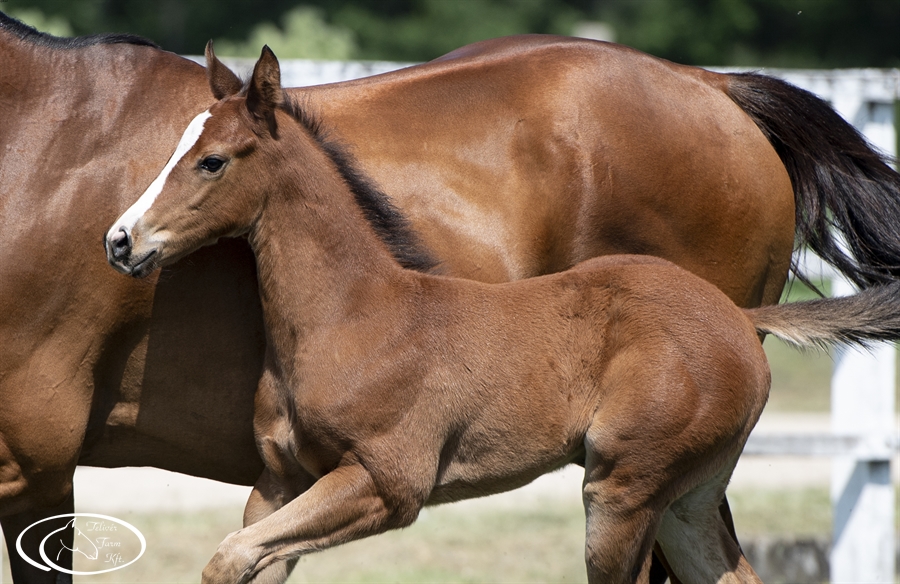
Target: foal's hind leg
x: 623, y: 512
x: 696, y: 540
x: 619, y: 539
x: 662, y: 430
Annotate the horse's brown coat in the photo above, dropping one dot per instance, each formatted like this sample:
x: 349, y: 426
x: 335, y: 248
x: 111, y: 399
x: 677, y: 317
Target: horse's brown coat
x: 597, y: 161
x: 387, y: 389
x: 101, y: 370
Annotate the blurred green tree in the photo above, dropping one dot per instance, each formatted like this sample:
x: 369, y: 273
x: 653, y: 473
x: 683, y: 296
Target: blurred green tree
x: 773, y: 33
x: 786, y: 33
x: 304, y: 35
x: 55, y: 25
x: 182, y: 26
x: 424, y: 29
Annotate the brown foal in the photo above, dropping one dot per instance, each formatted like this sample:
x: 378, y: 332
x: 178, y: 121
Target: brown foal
x: 387, y: 389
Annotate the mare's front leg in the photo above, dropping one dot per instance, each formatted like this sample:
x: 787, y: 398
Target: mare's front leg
x: 342, y: 506
x: 13, y: 525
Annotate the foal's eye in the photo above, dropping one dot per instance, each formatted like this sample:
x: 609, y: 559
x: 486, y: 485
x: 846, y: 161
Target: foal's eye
x: 212, y: 164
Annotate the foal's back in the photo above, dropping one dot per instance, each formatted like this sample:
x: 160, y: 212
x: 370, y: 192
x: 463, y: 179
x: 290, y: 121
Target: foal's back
x: 606, y: 309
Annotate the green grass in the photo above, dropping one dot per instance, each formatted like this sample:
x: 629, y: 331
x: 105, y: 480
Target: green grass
x: 447, y: 544
x: 800, y: 379
x: 453, y: 545
x: 800, y: 512
x: 536, y: 543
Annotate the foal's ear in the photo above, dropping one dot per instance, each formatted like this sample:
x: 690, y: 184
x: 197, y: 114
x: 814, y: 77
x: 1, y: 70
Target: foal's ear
x: 222, y: 81
x: 264, y: 93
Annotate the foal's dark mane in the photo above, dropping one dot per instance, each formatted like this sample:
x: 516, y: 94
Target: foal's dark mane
x: 391, y: 226
x: 34, y: 36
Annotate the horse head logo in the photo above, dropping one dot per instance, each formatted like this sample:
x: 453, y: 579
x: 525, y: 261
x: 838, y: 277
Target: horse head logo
x: 105, y: 542
x: 82, y: 544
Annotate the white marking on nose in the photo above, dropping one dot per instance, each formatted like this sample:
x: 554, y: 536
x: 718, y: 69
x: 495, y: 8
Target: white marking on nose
x: 188, y: 139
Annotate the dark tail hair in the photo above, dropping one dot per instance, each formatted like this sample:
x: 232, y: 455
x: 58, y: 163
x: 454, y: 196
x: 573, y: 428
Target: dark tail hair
x: 871, y: 315
x: 839, y: 180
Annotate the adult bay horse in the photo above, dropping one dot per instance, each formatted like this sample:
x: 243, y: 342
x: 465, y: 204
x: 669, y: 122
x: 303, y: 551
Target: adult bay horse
x: 509, y: 158
x: 386, y: 389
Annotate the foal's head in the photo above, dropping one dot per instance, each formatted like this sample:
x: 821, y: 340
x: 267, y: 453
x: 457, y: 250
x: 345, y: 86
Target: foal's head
x: 211, y: 186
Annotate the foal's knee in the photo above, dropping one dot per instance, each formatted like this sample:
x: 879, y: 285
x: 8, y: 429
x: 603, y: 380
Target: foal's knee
x: 402, y: 510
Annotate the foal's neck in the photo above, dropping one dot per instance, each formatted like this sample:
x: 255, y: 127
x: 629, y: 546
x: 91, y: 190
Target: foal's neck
x: 319, y: 260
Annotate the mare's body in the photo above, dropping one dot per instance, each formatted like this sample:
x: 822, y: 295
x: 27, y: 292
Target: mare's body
x: 387, y: 389
x: 511, y: 158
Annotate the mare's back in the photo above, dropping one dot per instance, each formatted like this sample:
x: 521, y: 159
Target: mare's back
x: 573, y: 149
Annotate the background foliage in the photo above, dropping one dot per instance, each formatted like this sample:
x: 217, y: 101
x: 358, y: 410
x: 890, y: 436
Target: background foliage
x: 785, y: 33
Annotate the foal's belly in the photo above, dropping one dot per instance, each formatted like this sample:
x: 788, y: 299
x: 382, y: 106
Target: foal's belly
x: 466, y: 484
x: 490, y: 464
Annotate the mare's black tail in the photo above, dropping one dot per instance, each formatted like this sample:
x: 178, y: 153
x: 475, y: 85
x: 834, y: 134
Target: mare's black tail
x: 839, y: 180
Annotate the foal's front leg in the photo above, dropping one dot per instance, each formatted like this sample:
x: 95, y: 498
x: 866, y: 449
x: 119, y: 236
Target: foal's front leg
x: 341, y: 506
x: 268, y: 496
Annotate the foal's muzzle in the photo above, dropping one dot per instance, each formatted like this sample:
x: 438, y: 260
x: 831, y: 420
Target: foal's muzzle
x: 119, y: 245
x: 120, y: 254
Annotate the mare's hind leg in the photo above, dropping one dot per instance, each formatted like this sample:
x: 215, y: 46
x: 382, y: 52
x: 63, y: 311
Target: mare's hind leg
x: 696, y: 540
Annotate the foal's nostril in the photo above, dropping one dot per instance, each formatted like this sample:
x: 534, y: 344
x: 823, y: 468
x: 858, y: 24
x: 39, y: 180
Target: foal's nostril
x: 120, y: 243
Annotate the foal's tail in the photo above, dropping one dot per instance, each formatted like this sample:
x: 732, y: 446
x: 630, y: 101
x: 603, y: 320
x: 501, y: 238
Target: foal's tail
x: 839, y: 180
x: 871, y: 315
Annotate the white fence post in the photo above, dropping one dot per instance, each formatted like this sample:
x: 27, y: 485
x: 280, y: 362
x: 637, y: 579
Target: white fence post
x: 862, y: 404
x: 862, y: 397
x: 863, y: 383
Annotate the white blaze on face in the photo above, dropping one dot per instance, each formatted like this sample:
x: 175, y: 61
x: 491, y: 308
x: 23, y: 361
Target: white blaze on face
x: 188, y: 139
